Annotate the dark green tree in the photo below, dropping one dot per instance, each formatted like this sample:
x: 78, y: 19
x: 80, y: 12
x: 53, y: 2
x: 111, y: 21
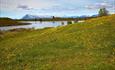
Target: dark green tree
x: 69, y: 22
x: 53, y: 17
x: 103, y: 12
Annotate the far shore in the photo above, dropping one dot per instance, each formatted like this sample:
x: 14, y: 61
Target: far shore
x: 10, y: 22
x: 16, y: 24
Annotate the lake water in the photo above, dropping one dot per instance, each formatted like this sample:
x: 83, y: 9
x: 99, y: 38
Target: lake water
x: 35, y: 25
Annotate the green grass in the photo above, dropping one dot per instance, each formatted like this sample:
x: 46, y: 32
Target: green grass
x: 83, y: 46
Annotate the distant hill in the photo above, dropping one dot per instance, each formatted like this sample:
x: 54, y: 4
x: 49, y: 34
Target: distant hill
x: 28, y: 16
x: 5, y: 18
x: 56, y: 18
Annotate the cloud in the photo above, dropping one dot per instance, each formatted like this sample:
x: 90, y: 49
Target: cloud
x: 99, y: 5
x: 60, y: 8
x: 24, y: 7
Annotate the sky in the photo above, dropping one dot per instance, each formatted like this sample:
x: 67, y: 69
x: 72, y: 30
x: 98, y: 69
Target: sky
x: 16, y: 9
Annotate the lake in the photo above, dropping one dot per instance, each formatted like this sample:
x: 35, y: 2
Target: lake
x: 36, y: 25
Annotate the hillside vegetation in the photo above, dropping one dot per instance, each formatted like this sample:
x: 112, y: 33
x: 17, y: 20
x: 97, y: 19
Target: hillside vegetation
x: 84, y: 46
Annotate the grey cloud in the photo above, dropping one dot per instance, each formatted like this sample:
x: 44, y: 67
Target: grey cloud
x: 24, y: 7
x: 99, y: 5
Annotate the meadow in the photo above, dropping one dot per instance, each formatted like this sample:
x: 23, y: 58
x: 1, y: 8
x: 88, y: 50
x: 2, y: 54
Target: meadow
x: 81, y: 46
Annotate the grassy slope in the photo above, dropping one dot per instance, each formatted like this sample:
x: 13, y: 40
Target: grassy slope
x: 9, y: 22
x: 84, y: 46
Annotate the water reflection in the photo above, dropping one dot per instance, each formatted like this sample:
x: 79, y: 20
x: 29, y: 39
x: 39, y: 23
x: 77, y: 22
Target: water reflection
x: 36, y: 25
